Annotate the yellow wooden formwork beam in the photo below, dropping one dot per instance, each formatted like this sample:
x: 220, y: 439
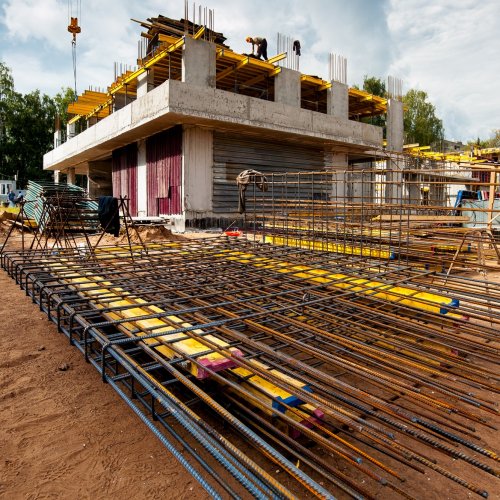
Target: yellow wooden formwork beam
x: 199, y: 33
x: 423, y: 301
x: 135, y: 307
x: 325, y: 246
x: 233, y: 69
x: 242, y: 61
x: 259, y: 78
x: 277, y: 58
x: 151, y: 62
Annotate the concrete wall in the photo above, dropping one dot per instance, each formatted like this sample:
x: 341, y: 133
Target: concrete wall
x: 287, y: 87
x: 197, y: 163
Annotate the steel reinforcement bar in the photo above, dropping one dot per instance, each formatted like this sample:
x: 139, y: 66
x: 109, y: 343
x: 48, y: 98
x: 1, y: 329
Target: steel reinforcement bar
x: 223, y: 346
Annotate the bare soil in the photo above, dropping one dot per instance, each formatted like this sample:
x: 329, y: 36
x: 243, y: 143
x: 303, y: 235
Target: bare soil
x: 63, y: 433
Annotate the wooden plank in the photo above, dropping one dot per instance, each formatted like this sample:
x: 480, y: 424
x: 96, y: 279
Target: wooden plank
x: 453, y: 219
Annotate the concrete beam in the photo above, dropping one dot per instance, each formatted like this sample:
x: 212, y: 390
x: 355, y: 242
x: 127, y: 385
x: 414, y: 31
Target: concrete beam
x: 176, y: 102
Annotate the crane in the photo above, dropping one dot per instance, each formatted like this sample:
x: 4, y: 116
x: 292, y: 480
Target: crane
x: 74, y: 7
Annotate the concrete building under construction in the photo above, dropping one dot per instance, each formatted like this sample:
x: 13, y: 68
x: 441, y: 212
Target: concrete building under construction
x: 173, y: 134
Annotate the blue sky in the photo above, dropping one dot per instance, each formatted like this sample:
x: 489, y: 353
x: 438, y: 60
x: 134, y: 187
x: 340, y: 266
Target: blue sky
x: 448, y: 48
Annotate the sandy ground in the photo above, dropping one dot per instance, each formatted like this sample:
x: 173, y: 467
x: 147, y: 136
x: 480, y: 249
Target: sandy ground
x: 64, y: 434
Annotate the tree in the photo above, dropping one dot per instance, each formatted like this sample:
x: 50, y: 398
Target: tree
x: 494, y: 140
x: 26, y: 130
x: 6, y: 93
x: 61, y: 101
x: 375, y: 86
x: 421, y: 124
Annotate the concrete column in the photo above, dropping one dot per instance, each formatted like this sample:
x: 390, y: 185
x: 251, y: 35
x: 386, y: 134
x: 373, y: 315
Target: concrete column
x: 57, y: 138
x: 337, y: 163
x: 56, y: 176
x: 70, y: 130
x: 287, y: 87
x: 337, y: 100
x: 120, y: 101
x: 197, y: 163
x: 71, y: 175
x: 91, y: 121
x: 394, y: 124
x: 145, y: 82
x: 395, y: 141
x: 142, y: 180
x: 198, y: 63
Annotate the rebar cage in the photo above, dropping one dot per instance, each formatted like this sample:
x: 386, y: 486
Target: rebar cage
x: 422, y: 217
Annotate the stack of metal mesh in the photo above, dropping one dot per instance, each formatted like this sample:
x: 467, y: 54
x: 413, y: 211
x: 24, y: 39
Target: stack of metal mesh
x: 57, y: 208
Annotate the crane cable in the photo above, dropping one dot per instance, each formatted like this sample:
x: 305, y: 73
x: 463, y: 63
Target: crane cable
x: 74, y: 29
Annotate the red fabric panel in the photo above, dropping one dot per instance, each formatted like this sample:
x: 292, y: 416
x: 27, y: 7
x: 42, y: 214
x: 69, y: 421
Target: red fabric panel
x: 164, y: 172
x: 124, y: 175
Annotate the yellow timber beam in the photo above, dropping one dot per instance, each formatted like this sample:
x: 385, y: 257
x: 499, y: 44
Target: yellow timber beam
x: 199, y: 33
x: 277, y: 58
x: 242, y: 61
x: 151, y: 62
x: 259, y: 78
x: 232, y: 69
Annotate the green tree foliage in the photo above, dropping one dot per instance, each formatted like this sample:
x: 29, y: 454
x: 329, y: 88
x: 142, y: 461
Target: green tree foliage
x: 421, y: 124
x: 27, y: 128
x: 376, y: 86
x: 61, y: 101
x: 494, y: 140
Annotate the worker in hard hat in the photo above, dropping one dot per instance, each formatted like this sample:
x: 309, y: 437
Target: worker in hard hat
x: 261, y: 44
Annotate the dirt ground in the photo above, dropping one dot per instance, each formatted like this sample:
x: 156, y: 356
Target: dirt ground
x: 64, y: 434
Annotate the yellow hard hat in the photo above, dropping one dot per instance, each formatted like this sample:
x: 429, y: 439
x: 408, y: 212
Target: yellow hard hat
x: 249, y: 39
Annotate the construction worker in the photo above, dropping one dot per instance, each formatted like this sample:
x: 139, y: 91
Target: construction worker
x: 261, y: 44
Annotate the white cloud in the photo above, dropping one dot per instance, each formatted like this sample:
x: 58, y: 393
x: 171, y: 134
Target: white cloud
x: 447, y: 48
x: 450, y: 50
x: 35, y: 20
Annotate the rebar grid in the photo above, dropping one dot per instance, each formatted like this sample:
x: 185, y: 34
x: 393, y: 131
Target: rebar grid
x: 418, y: 216
x: 363, y: 358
